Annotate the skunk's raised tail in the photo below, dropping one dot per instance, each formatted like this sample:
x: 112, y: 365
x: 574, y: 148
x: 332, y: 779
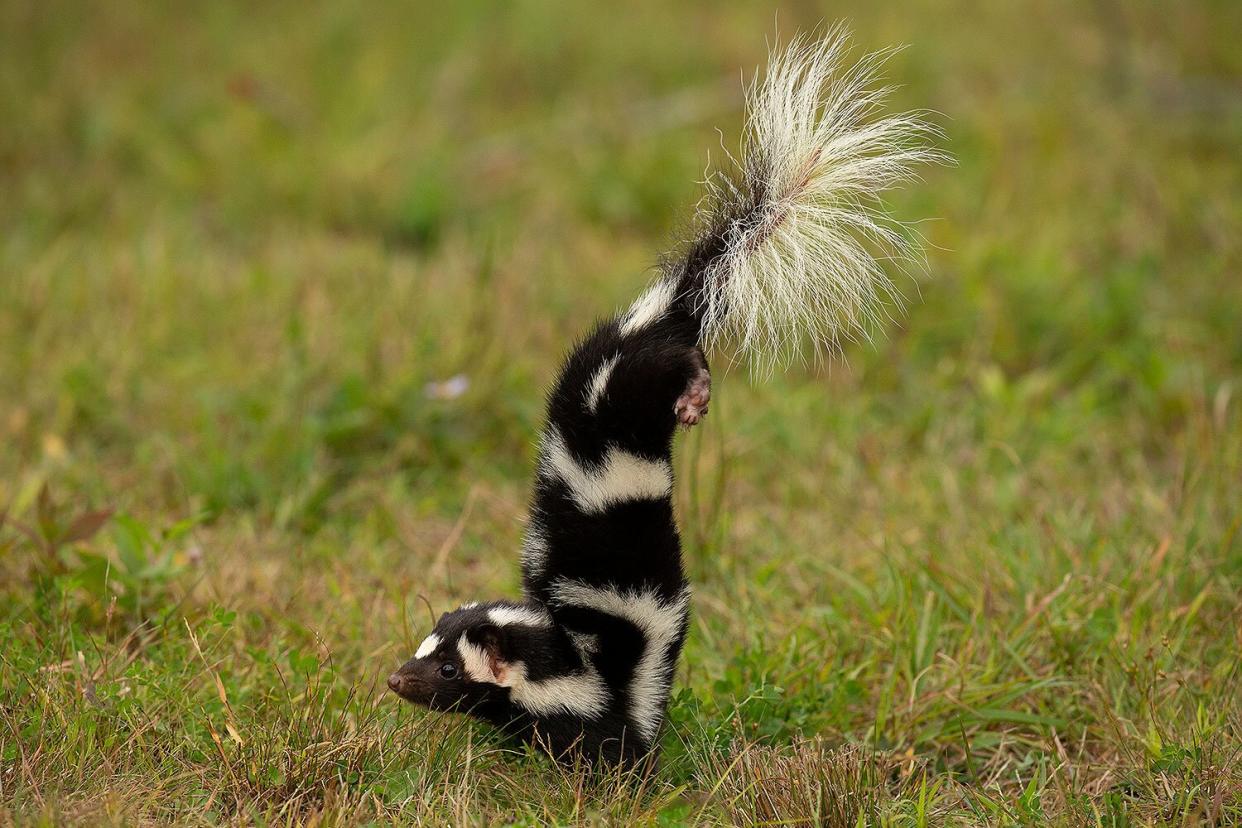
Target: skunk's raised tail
x: 789, y: 241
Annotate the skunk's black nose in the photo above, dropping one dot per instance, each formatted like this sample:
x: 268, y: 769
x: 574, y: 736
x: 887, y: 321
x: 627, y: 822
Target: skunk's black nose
x: 394, y: 682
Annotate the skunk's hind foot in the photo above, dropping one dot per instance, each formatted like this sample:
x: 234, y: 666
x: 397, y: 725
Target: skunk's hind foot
x: 691, y: 406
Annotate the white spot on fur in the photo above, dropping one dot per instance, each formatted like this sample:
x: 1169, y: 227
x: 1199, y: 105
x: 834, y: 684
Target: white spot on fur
x: 428, y: 646
x: 660, y: 622
x: 649, y: 307
x: 519, y: 615
x: 470, y: 605
x: 599, y: 381
x: 620, y: 477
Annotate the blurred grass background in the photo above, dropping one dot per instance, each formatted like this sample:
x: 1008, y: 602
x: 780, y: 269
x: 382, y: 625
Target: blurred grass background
x: 985, y: 570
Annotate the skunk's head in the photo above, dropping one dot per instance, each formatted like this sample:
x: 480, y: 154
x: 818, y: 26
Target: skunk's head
x: 471, y: 657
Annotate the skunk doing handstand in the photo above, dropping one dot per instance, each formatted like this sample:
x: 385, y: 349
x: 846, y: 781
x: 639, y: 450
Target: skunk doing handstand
x: 785, y: 252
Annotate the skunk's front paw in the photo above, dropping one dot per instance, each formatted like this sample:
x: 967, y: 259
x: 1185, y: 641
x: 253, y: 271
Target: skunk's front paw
x: 691, y: 406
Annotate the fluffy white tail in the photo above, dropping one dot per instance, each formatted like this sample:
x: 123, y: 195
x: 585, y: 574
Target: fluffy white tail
x: 793, y: 237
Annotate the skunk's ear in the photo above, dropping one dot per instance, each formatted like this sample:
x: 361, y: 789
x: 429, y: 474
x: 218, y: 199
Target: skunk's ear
x: 490, y: 635
x: 489, y: 643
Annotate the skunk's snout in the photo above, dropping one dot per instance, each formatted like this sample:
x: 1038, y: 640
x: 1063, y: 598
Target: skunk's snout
x: 412, y: 688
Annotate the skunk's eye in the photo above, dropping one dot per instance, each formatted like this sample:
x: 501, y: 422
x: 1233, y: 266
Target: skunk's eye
x: 448, y: 670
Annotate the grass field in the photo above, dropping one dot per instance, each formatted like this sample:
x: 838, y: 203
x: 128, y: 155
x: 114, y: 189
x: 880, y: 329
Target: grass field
x: 986, y: 570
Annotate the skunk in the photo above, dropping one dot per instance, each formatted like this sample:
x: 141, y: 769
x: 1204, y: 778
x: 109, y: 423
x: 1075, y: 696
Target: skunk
x: 785, y: 252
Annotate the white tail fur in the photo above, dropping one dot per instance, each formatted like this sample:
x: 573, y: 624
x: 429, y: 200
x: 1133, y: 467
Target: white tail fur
x: 800, y: 221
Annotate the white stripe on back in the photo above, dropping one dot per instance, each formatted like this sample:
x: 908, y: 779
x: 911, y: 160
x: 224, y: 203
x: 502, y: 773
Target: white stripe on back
x: 599, y: 381
x: 534, y: 549
x: 648, y: 307
x: 582, y: 694
x: 620, y: 477
x: 519, y: 615
x: 660, y: 622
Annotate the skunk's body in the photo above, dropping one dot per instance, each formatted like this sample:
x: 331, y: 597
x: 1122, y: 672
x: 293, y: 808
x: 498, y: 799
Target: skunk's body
x: 584, y: 666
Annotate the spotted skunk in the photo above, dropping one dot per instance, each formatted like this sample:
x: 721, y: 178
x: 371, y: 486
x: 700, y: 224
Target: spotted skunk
x: 785, y: 252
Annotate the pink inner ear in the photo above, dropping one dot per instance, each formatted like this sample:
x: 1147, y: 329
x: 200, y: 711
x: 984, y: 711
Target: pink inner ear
x: 499, y: 668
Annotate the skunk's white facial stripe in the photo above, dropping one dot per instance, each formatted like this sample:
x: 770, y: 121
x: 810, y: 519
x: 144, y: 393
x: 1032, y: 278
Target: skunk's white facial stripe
x: 660, y: 622
x: 474, y: 658
x: 519, y: 615
x: 428, y: 646
x: 622, y: 476
x: 649, y: 307
x: 599, y: 381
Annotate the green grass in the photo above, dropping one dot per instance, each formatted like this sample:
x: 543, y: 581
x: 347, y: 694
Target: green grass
x: 985, y: 571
